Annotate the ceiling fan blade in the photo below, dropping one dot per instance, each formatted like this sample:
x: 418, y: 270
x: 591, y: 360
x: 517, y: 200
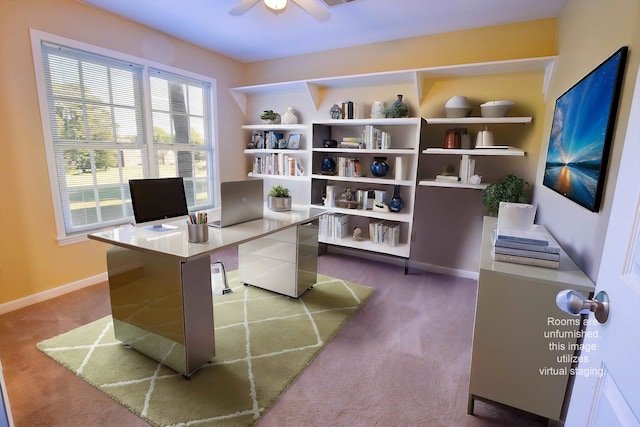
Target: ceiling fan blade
x: 314, y: 9
x: 243, y: 6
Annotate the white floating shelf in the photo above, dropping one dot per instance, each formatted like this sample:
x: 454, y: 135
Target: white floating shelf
x: 477, y: 120
x: 434, y: 183
x: 508, y: 151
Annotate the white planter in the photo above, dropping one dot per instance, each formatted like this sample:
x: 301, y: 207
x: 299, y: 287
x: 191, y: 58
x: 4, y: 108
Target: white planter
x: 279, y: 203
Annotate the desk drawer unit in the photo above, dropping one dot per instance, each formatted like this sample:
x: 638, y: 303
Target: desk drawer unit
x: 284, y: 262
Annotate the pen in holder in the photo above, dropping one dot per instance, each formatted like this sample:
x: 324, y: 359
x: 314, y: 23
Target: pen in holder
x: 197, y: 227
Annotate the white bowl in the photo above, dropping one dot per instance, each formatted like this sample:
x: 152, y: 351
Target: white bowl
x: 457, y: 106
x: 496, y: 108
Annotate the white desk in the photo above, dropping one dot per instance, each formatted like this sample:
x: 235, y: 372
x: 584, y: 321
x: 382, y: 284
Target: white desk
x: 160, y: 284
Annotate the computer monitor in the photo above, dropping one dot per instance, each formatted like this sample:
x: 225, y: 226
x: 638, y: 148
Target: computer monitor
x: 157, y: 198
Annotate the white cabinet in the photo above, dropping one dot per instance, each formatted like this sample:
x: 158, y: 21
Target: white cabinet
x: 402, y: 157
x: 522, y: 343
x: 464, y: 156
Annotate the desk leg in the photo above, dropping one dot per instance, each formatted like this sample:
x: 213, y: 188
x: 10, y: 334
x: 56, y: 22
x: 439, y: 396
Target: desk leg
x: 162, y: 307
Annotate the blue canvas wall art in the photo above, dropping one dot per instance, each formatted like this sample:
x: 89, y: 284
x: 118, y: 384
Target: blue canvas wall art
x: 581, y: 133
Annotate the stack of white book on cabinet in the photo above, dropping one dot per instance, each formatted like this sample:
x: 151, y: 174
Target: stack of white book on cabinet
x: 526, y: 247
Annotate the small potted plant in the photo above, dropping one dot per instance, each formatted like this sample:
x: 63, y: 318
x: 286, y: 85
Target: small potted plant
x: 279, y: 199
x: 510, y: 188
x: 269, y: 117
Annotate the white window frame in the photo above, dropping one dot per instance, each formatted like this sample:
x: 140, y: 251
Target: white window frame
x: 37, y: 37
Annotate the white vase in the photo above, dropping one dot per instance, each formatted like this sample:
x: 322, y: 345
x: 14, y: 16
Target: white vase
x: 289, y: 117
x: 377, y: 110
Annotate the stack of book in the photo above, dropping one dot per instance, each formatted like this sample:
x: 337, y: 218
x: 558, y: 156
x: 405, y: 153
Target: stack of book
x: 526, y: 247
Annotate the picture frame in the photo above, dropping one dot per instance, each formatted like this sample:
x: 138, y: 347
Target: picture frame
x: 294, y: 141
x: 581, y: 133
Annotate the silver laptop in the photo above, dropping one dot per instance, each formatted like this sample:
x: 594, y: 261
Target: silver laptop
x: 240, y: 201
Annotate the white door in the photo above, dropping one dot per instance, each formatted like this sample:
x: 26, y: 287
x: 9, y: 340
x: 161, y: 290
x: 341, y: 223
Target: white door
x: 607, y: 386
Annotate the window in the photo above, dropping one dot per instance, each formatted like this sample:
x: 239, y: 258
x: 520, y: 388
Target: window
x: 107, y: 119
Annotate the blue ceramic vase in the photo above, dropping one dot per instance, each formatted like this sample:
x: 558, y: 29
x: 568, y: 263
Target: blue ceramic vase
x: 328, y: 165
x: 396, y: 203
x: 379, y: 167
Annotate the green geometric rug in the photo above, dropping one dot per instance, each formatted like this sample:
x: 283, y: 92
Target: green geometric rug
x: 263, y: 342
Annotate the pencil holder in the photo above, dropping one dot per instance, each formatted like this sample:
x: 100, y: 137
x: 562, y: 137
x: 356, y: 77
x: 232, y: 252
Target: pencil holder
x: 198, y: 233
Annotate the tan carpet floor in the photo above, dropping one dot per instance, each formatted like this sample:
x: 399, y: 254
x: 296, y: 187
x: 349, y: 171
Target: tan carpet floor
x: 402, y: 360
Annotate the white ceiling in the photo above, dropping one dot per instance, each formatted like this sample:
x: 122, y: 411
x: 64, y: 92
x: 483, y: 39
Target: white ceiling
x: 260, y: 34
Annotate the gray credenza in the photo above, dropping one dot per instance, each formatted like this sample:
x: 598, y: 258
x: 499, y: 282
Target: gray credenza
x: 522, y: 343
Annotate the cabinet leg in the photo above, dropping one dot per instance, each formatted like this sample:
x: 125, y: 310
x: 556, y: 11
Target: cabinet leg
x: 470, y: 404
x: 406, y: 267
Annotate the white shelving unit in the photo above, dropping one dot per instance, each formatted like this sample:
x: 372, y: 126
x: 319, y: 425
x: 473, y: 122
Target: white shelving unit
x: 300, y: 155
x: 405, y: 143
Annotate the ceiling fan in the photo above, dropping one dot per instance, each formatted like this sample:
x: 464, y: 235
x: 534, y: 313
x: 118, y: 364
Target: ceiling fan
x: 310, y: 6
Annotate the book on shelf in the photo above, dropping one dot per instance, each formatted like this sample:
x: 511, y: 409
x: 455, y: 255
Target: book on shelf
x: 374, y: 138
x: 523, y: 236
x: 552, y: 248
x: 348, y: 167
x: 526, y: 253
x: 514, y: 259
x: 384, y: 232
x: 447, y: 178
x: 277, y: 164
x: 467, y: 168
x: 333, y: 227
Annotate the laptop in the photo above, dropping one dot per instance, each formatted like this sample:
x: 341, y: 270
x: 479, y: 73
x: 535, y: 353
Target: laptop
x: 240, y: 201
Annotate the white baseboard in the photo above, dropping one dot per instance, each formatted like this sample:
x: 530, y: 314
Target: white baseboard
x: 466, y: 274
x: 52, y: 293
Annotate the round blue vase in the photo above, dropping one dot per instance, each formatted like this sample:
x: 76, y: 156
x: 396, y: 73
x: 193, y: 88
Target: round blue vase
x: 328, y: 165
x: 396, y: 203
x: 379, y: 167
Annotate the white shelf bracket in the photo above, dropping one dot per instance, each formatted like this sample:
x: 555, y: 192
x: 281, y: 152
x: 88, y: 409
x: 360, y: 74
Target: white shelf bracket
x: 548, y: 77
x: 241, y: 100
x: 417, y: 84
x: 314, y: 92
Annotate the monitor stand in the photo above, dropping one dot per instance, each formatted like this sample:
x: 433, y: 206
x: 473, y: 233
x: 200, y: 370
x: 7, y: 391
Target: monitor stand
x: 161, y: 227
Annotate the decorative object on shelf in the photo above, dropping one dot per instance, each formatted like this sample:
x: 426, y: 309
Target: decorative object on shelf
x: 378, y: 110
x: 329, y: 143
x: 289, y: 117
x: 457, y: 107
x: 379, y: 167
x: 282, y: 143
x: 379, y: 204
x: 484, y: 139
x: 496, y: 108
x: 335, y: 112
x: 510, y: 188
x: 357, y: 234
x: 475, y: 179
x: 328, y: 166
x: 269, y: 117
x: 451, y: 139
x: 294, y: 141
x: 397, y: 109
x: 278, y: 199
x: 398, y: 169
x: 396, y: 203
x: 347, y: 199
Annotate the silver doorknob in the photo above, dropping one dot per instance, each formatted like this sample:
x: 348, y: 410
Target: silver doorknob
x: 575, y: 303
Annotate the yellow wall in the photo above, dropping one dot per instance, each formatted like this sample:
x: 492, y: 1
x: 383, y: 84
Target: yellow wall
x: 589, y: 31
x: 522, y: 40
x: 31, y: 260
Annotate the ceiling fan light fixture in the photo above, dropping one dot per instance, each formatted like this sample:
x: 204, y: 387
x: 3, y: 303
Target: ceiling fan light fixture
x: 276, y: 5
